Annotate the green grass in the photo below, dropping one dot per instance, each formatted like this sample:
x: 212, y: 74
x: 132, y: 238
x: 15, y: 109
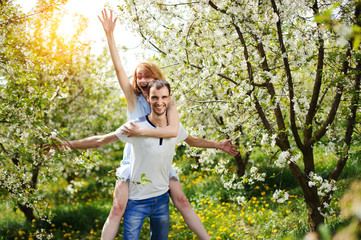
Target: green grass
x: 81, y: 215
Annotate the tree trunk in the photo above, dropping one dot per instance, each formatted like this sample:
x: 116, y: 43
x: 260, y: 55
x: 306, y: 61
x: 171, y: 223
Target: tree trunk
x: 310, y: 194
x: 28, y: 212
x: 241, y: 164
x: 308, y: 158
x: 313, y: 207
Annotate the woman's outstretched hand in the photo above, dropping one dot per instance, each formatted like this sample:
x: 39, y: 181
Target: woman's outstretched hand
x: 107, y: 21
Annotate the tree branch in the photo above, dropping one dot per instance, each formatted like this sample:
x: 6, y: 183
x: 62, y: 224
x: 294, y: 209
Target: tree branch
x: 77, y: 95
x: 215, y: 7
x: 345, y: 67
x: 258, y: 106
x: 331, y: 115
x: 355, y: 103
x: 282, y: 139
x: 14, y: 159
x: 289, y: 78
x: 175, y: 4
x: 164, y: 53
x: 316, y: 87
x: 351, y: 122
x: 141, y: 31
x: 189, y: 30
x: 17, y: 19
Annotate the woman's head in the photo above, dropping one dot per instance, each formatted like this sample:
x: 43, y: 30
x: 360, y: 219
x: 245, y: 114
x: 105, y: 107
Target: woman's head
x: 145, y: 73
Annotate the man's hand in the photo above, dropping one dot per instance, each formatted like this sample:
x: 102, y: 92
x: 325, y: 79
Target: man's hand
x: 107, y: 21
x: 227, y: 147
x: 56, y: 144
x: 132, y: 130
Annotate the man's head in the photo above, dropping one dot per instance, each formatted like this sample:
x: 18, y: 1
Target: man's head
x: 159, y: 96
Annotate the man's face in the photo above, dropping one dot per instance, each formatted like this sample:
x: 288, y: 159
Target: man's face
x: 159, y: 100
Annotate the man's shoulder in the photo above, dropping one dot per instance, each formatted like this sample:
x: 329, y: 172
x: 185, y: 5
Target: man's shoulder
x: 140, y: 120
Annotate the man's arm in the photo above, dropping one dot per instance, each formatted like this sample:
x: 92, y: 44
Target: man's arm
x: 90, y: 142
x: 225, y: 146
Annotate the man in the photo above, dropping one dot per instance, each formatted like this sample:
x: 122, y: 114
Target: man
x: 150, y: 163
x: 152, y: 159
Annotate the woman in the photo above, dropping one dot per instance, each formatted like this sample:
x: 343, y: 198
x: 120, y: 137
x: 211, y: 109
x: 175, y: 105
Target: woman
x: 135, y: 94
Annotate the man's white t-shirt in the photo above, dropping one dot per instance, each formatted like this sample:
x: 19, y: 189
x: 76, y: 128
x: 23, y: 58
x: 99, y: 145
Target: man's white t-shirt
x: 152, y: 157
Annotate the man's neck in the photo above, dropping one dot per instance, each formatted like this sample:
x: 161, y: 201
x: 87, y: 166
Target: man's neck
x: 158, y: 120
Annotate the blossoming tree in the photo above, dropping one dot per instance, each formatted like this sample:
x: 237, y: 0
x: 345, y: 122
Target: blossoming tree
x: 47, y: 84
x: 265, y: 73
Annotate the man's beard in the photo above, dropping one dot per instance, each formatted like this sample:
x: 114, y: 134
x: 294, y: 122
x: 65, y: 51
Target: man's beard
x: 159, y: 114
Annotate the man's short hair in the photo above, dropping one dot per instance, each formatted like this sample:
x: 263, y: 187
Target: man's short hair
x: 158, y: 84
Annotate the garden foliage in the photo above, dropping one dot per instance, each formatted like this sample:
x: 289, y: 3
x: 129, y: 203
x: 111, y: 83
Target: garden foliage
x: 50, y: 86
x: 281, y: 77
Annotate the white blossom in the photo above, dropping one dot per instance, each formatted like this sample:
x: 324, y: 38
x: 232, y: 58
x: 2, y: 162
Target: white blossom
x: 177, y: 169
x: 241, y: 200
x: 282, y: 159
x: 280, y: 196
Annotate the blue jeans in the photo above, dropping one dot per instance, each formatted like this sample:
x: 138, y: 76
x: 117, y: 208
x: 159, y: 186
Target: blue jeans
x: 156, y: 208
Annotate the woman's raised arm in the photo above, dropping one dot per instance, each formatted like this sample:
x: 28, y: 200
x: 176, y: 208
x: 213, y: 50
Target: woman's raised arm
x: 108, y: 25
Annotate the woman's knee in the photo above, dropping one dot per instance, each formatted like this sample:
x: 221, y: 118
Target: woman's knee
x: 181, y: 201
x: 120, y: 198
x: 118, y: 209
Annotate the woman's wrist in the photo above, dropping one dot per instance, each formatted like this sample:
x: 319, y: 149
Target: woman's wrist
x: 141, y: 132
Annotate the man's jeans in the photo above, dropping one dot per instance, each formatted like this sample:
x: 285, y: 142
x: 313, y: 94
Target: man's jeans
x: 156, y: 208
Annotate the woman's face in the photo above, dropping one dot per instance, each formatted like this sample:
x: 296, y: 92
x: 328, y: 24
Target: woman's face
x: 143, y: 80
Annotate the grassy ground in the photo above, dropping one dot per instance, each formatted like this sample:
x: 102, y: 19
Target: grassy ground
x: 81, y: 215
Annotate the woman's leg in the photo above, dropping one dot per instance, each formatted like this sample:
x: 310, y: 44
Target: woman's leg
x: 120, y: 199
x: 184, y: 207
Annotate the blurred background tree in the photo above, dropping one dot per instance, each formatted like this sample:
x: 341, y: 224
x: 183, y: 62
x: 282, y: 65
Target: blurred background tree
x: 50, y: 84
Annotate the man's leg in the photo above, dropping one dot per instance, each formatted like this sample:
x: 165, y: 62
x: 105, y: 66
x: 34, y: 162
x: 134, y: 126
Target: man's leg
x: 184, y: 207
x: 159, y: 218
x: 134, y: 216
x: 120, y: 199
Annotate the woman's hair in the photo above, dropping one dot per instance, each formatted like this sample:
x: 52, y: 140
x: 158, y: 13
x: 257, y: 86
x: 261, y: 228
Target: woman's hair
x: 151, y: 69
